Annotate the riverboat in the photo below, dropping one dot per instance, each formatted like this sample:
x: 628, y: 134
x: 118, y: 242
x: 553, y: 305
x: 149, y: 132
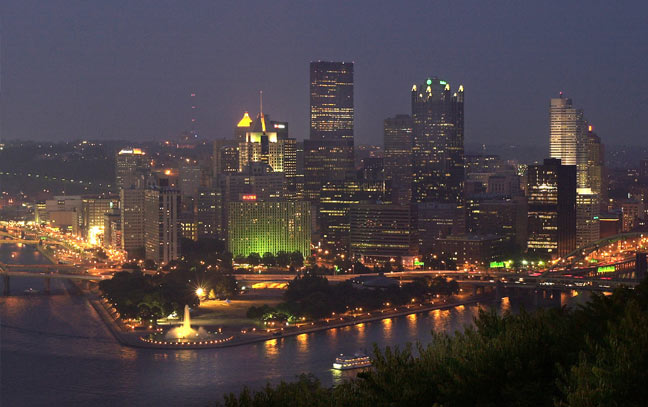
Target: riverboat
x: 357, y: 361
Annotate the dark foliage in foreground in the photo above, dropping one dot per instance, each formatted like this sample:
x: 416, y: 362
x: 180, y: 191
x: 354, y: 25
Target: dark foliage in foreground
x: 596, y: 355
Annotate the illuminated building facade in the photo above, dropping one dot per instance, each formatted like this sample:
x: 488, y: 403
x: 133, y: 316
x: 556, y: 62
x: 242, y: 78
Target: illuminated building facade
x: 328, y: 154
x: 162, y: 224
x: 333, y: 215
x: 587, y: 217
x: 131, y: 168
x: 331, y: 100
x: 551, y: 194
x: 438, y: 142
x: 596, y: 172
x: 268, y: 226
x: 382, y: 231
x: 94, y: 210
x: 568, y: 137
x: 397, y: 161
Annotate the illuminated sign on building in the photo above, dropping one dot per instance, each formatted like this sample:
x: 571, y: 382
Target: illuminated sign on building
x: 605, y: 269
x: 497, y: 264
x: 249, y: 197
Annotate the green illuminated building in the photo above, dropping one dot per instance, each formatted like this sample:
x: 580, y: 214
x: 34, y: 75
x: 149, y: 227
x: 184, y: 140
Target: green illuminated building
x: 270, y: 226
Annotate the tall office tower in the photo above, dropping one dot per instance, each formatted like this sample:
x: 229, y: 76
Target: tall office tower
x: 162, y: 226
x: 438, y: 142
x: 397, y: 161
x: 551, y: 193
x: 131, y: 168
x: 132, y: 221
x: 269, y: 226
x: 331, y: 100
x: 587, y: 217
x: 568, y: 137
x: 209, y: 213
x: 596, y: 172
x: 328, y: 154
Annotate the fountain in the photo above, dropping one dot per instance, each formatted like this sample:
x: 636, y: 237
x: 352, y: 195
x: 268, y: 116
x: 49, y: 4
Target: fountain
x: 186, y: 335
x: 186, y: 332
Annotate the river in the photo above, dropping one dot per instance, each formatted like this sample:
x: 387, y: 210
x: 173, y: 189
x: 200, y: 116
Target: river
x: 54, y: 350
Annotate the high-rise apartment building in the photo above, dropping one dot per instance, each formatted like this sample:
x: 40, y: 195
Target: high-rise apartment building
x: 397, y: 160
x: 162, y: 224
x: 551, y: 193
x: 568, y: 137
x: 131, y: 168
x: 438, y: 142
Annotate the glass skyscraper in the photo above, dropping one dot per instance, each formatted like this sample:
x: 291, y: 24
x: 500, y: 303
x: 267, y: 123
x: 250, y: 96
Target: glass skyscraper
x: 438, y: 142
x: 568, y: 137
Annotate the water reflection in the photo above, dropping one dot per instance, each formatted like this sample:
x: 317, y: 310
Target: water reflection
x: 302, y: 342
x: 271, y: 349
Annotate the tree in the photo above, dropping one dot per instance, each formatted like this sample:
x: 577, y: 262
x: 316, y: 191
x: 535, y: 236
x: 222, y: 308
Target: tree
x: 254, y: 259
x: 283, y: 258
x: 269, y: 259
x: 297, y: 259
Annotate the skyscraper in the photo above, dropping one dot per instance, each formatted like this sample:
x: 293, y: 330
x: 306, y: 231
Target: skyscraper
x: 596, y: 172
x: 131, y: 167
x: 587, y: 217
x: 397, y: 162
x: 132, y: 221
x: 161, y: 224
x: 328, y: 154
x: 331, y: 100
x: 568, y: 137
x: 438, y: 142
x: 551, y: 190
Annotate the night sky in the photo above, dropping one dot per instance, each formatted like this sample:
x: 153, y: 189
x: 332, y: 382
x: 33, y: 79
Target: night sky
x: 124, y: 69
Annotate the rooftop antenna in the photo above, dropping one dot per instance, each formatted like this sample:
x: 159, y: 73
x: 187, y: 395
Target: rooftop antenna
x: 194, y: 108
x: 263, y: 125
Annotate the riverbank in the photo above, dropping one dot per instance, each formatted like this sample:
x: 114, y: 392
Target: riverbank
x: 133, y: 339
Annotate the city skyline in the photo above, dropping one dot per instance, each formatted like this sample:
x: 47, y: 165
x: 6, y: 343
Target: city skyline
x: 81, y: 94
